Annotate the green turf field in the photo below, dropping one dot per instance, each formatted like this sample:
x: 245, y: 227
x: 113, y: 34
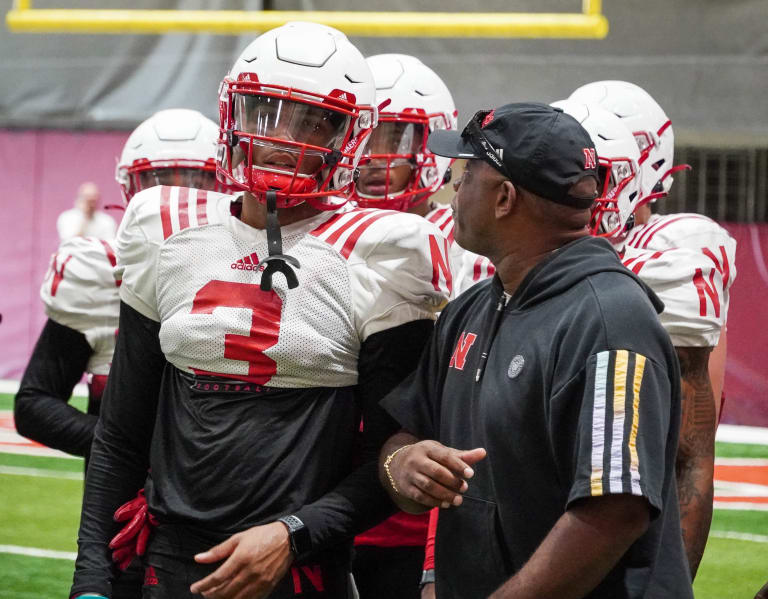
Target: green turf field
x: 42, y: 512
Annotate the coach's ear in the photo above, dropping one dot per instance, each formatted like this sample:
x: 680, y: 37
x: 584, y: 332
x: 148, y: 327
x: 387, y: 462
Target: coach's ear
x: 506, y: 200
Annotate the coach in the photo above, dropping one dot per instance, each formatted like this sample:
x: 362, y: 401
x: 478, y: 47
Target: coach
x: 559, y: 369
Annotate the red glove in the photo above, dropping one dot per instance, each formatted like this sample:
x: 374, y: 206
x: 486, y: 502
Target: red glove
x: 132, y: 540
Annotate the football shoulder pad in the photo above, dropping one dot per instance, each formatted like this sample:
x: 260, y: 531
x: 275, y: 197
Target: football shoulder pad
x: 153, y: 216
x: 691, y: 285
x: 79, y: 291
x: 398, y: 262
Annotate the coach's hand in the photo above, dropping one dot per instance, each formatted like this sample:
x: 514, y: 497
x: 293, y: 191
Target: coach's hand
x: 762, y: 593
x: 256, y: 560
x: 426, y: 474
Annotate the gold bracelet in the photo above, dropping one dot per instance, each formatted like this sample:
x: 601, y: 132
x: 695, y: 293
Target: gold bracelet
x: 388, y: 461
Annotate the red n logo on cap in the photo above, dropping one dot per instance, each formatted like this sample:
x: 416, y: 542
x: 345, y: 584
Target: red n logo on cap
x: 590, y: 158
x: 488, y: 118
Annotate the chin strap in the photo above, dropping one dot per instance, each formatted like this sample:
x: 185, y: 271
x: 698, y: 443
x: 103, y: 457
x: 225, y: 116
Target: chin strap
x: 276, y: 261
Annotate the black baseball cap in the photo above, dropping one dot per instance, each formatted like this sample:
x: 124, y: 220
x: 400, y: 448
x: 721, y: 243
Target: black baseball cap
x: 536, y: 146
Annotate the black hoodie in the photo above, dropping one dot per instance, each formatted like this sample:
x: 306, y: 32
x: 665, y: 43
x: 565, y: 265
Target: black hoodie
x: 579, y: 396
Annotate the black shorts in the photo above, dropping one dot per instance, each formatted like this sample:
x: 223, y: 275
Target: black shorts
x: 388, y: 572
x: 170, y: 569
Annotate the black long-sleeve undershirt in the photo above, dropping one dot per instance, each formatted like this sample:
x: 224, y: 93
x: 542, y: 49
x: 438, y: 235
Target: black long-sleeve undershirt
x: 41, y: 411
x: 386, y: 358
x: 121, y: 449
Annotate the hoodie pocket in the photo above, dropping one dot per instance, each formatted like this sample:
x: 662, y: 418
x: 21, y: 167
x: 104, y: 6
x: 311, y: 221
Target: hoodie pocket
x: 469, y: 554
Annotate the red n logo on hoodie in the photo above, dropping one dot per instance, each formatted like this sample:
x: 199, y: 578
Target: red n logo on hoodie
x: 459, y: 357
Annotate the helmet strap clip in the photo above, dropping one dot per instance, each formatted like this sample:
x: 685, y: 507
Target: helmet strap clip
x: 276, y: 261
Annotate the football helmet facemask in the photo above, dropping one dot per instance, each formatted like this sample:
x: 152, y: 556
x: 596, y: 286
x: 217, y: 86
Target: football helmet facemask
x: 397, y: 170
x: 619, y: 187
x: 295, y: 114
x: 650, y: 126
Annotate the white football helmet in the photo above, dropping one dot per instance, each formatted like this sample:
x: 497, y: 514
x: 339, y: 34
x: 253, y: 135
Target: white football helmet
x: 618, y: 166
x: 172, y: 147
x: 643, y: 116
x: 413, y: 102
x: 295, y: 113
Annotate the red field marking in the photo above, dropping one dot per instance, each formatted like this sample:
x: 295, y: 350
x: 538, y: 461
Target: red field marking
x: 743, y: 482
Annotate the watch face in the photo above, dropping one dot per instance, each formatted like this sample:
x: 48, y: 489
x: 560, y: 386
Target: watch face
x: 301, y: 543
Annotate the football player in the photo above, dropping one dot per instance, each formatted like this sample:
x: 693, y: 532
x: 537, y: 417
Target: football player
x: 398, y: 172
x: 654, y: 135
x: 254, y: 331
x: 81, y: 298
x: 689, y: 280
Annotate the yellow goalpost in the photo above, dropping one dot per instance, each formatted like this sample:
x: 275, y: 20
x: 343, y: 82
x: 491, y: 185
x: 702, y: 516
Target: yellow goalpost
x: 590, y: 23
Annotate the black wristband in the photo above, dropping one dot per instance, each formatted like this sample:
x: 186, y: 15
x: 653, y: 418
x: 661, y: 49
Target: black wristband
x: 301, y: 542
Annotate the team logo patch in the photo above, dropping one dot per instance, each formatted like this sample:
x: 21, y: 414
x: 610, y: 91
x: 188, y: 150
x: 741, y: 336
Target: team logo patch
x: 515, y: 366
x: 459, y: 357
x: 590, y: 158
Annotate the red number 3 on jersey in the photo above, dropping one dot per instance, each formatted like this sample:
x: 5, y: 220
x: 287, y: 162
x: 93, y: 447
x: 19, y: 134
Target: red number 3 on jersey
x: 266, y: 307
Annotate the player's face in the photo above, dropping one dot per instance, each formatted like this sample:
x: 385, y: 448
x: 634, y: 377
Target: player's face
x: 298, y: 124
x: 390, y: 165
x: 376, y: 180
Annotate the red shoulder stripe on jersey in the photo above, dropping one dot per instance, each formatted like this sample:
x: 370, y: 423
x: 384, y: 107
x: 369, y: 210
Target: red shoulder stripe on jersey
x: 327, y: 224
x: 183, y: 208
x: 110, y: 253
x: 58, y: 274
x: 165, y: 211
x: 477, y: 271
x: 202, y: 201
x: 437, y: 215
x: 635, y: 235
x: 666, y: 224
x: 645, y: 237
x: 349, y: 245
x: 629, y: 261
x: 639, y: 265
x: 636, y: 242
x: 334, y: 237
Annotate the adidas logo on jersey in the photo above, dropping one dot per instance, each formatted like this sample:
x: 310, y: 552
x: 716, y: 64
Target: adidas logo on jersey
x: 247, y: 263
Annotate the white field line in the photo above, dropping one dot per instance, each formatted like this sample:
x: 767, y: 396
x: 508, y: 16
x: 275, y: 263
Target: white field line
x: 731, y: 433
x: 737, y: 505
x: 40, y: 472
x: 741, y: 461
x: 35, y: 552
x: 739, y: 536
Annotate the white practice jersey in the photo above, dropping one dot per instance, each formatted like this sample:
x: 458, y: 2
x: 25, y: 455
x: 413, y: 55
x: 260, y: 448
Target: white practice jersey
x: 692, y: 289
x: 467, y: 268
x: 704, y: 238
x: 79, y: 291
x: 188, y: 263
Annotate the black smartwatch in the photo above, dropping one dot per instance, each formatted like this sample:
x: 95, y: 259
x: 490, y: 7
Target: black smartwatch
x: 301, y: 543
